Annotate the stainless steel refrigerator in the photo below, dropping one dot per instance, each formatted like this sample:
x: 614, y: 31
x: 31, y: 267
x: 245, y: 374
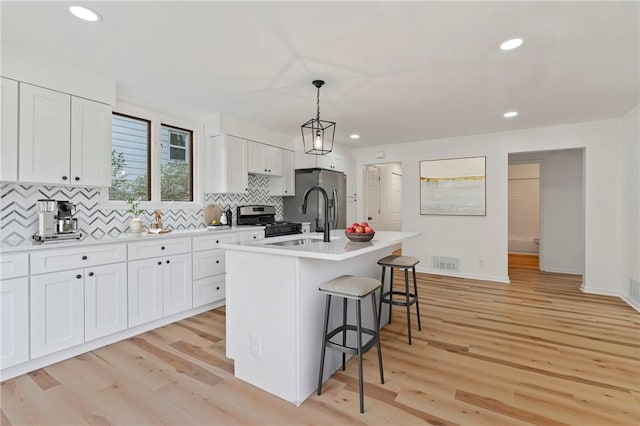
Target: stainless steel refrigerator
x: 334, y: 183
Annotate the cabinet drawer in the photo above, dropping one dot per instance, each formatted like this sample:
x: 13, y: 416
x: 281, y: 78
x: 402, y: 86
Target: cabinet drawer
x: 206, y: 263
x: 146, y: 249
x: 251, y: 236
x: 207, y: 290
x: 14, y: 265
x: 81, y: 257
x: 212, y: 241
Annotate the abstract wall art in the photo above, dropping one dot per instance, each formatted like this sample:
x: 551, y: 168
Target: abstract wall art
x: 453, y: 186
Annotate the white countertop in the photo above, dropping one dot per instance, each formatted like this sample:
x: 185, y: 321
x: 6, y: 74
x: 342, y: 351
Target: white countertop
x: 339, y: 248
x: 125, y: 237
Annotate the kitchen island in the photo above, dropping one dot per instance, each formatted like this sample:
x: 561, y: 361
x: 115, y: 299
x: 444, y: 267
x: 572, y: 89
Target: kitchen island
x: 274, y: 310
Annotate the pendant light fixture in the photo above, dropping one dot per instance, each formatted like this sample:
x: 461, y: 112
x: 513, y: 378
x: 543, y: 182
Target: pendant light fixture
x: 317, y: 135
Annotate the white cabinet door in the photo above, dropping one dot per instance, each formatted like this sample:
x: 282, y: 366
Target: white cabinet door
x: 226, y: 165
x: 256, y: 161
x: 14, y: 321
x: 177, y: 284
x: 53, y: 260
x: 105, y: 300
x: 150, y: 248
x: 288, y: 173
x: 236, y: 167
x: 352, y: 204
x: 90, y: 143
x: 274, y: 160
x: 45, y: 135
x: 57, y: 311
x: 145, y: 291
x: 264, y: 159
x: 350, y: 171
x: 9, y: 142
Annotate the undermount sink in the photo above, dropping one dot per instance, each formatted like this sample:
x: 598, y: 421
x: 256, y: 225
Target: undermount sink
x: 297, y: 242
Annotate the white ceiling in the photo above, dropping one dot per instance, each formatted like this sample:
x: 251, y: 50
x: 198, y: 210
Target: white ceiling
x: 394, y: 71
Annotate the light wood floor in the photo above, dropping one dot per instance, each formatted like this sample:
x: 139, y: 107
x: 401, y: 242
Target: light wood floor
x: 537, y: 351
x: 524, y: 261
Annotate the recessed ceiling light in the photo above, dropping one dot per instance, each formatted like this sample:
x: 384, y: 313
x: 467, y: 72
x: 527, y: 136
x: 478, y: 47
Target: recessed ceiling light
x: 511, y: 44
x: 510, y: 114
x: 84, y: 13
x: 355, y: 136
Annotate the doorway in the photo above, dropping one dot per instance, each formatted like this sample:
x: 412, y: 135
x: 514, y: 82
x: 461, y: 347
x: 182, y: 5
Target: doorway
x: 524, y: 215
x: 561, y: 237
x: 383, y: 204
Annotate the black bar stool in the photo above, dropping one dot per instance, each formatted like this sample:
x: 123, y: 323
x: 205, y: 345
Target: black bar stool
x: 356, y: 288
x: 406, y: 263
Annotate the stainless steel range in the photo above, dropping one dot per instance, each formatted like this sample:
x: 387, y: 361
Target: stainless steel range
x: 266, y: 216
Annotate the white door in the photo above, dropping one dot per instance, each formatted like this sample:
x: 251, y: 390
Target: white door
x: 145, y: 291
x: 45, y: 135
x: 90, y: 143
x: 105, y: 300
x: 352, y: 204
x: 177, y: 281
x: 14, y: 317
x: 57, y: 311
x: 9, y: 142
x: 373, y: 196
x: 396, y: 201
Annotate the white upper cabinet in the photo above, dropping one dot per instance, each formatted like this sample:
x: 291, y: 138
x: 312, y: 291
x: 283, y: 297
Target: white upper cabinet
x: 90, y: 147
x: 350, y: 171
x: 330, y: 162
x: 9, y: 142
x: 226, y: 165
x: 63, y: 139
x: 284, y: 185
x: 264, y: 159
x: 45, y: 135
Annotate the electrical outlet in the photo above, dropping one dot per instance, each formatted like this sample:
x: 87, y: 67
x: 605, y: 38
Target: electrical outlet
x: 256, y: 346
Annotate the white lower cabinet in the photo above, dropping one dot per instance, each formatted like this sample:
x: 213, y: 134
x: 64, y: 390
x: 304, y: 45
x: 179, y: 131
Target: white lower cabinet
x: 159, y: 287
x: 14, y: 325
x: 105, y: 300
x: 57, y: 311
x: 208, y: 290
x: 177, y: 283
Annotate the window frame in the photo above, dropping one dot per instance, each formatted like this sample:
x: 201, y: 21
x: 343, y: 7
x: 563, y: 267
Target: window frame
x: 157, y: 118
x: 190, y: 158
x: 148, y: 150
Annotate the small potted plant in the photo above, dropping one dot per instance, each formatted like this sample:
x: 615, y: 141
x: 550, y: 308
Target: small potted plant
x: 134, y: 208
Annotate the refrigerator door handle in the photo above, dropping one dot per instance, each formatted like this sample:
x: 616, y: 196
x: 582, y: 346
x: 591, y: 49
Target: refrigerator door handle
x: 335, y: 208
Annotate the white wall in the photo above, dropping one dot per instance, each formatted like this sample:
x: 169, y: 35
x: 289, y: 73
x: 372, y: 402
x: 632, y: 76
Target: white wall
x: 481, y: 242
x: 562, y: 209
x: 24, y: 66
x: 219, y: 124
x: 630, y: 199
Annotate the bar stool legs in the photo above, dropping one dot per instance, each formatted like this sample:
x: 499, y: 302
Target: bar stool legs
x: 360, y: 288
x: 405, y: 263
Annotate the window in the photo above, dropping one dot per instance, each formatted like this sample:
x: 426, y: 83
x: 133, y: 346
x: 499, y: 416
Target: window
x: 176, y: 177
x: 150, y: 161
x: 130, y: 160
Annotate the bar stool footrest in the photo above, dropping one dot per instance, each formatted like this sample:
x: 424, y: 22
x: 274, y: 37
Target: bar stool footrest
x: 385, y: 299
x: 348, y: 349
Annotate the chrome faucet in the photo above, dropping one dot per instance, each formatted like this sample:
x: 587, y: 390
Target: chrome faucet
x: 326, y: 209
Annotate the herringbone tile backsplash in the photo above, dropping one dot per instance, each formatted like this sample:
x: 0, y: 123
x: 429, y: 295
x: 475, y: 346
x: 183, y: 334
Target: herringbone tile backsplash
x: 19, y: 213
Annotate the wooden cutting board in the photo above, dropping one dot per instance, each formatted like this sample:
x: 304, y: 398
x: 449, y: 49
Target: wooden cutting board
x: 212, y: 212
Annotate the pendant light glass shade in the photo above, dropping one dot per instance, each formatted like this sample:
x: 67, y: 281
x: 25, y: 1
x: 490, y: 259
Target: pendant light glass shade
x: 317, y: 135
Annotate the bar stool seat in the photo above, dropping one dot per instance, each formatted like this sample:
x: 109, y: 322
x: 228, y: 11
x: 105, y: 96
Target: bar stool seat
x: 407, y: 298
x: 355, y: 288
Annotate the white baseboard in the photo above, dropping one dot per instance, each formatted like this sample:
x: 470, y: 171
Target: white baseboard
x: 43, y: 361
x: 561, y: 271
x: 495, y: 278
x: 609, y: 292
